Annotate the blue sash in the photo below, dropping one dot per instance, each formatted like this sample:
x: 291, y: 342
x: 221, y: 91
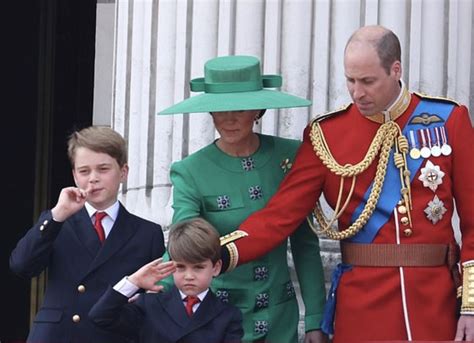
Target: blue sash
x: 327, y: 323
x: 388, y: 197
x: 387, y: 202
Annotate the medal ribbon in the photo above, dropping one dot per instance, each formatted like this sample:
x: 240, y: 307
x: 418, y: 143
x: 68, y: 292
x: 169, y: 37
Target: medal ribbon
x: 387, y: 202
x: 388, y: 198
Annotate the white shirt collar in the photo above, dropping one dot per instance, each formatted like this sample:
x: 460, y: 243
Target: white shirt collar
x: 201, y: 295
x: 111, y: 211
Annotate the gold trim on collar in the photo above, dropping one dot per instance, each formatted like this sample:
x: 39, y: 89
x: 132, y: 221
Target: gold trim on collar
x: 397, y: 109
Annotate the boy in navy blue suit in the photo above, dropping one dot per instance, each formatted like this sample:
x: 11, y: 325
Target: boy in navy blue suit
x: 87, y: 241
x: 189, y: 312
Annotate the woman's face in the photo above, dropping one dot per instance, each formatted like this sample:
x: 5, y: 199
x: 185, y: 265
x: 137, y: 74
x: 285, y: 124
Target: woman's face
x: 234, y: 127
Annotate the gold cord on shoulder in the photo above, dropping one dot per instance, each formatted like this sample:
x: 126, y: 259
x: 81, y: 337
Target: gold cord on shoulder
x: 388, y: 135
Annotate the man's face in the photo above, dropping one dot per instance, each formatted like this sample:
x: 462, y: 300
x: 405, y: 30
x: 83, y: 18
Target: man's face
x: 371, y: 88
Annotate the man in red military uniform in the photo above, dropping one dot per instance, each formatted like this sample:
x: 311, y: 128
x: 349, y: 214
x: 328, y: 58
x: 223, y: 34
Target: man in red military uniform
x: 391, y: 165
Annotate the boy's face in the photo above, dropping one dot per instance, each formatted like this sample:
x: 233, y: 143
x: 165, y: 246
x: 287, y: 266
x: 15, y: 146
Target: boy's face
x: 193, y: 278
x: 100, y: 175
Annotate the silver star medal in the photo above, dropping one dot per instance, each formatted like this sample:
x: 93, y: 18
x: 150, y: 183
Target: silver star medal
x: 431, y: 176
x: 435, y: 210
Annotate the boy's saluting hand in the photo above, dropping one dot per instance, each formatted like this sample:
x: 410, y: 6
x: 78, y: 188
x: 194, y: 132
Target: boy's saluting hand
x: 147, y: 276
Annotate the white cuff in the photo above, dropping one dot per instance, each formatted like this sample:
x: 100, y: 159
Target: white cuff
x: 126, y: 287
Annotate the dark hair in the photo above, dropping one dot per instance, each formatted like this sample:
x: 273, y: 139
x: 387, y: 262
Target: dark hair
x: 388, y: 49
x: 193, y: 241
x: 98, y: 139
x: 384, y: 41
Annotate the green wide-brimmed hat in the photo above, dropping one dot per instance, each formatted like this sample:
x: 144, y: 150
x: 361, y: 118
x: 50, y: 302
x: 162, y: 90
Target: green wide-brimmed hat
x: 235, y: 83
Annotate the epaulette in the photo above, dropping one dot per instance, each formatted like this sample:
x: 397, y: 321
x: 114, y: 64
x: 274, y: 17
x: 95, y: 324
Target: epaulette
x: 321, y: 117
x: 436, y: 98
x: 233, y: 236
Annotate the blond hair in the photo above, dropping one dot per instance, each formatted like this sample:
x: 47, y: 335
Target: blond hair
x: 98, y: 139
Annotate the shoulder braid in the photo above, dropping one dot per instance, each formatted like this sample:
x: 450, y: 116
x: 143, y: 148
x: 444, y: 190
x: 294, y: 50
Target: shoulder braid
x: 436, y: 98
x: 387, y: 135
x: 321, y: 117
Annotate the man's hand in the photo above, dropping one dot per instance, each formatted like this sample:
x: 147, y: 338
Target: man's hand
x: 315, y: 336
x: 71, y: 200
x: 465, y: 330
x: 147, y: 276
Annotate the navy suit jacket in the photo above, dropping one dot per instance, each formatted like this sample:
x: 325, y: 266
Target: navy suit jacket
x: 162, y: 318
x: 80, y: 270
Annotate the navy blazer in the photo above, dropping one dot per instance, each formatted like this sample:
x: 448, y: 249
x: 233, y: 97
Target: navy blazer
x: 162, y: 318
x: 80, y: 270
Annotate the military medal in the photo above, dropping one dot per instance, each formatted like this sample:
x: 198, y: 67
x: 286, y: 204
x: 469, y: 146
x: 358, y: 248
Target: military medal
x: 445, y: 148
x: 435, y: 210
x: 429, y: 143
x: 436, y: 148
x: 425, y: 150
x: 414, y: 151
x: 431, y: 176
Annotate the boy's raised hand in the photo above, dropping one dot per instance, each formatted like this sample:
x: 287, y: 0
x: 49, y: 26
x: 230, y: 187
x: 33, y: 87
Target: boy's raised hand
x: 71, y: 200
x: 147, y: 276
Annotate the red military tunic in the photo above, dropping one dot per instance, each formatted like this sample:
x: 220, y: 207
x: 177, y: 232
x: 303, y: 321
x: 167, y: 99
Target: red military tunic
x: 369, y: 299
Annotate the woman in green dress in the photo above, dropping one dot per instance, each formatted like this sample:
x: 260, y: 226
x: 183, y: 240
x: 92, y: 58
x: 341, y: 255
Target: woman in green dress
x: 236, y: 175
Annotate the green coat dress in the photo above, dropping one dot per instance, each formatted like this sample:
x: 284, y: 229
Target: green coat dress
x: 225, y: 190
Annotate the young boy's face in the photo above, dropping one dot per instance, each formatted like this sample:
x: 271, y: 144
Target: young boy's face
x: 193, y: 278
x: 99, y: 174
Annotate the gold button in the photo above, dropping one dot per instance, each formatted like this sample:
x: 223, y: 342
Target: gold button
x: 407, y: 232
x: 81, y: 288
x: 76, y: 318
x: 405, y: 220
x: 402, y: 209
x: 41, y: 227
